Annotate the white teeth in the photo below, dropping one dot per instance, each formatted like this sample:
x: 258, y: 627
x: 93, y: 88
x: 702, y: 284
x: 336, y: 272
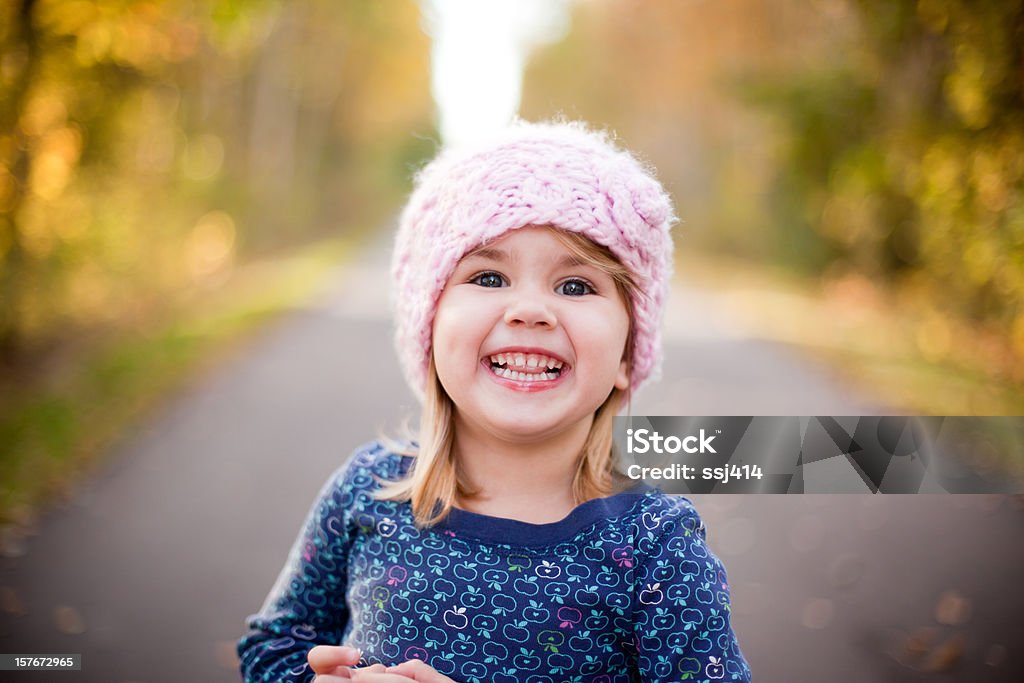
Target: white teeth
x: 523, y: 361
x: 523, y: 367
x: 524, y: 376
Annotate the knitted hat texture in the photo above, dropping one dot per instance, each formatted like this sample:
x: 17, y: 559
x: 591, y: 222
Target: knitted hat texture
x: 552, y: 174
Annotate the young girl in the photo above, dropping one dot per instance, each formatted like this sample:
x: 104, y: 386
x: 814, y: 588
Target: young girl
x: 530, y: 274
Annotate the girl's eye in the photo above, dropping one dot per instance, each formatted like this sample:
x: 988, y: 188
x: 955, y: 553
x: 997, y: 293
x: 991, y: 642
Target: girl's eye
x: 488, y: 280
x: 575, y: 288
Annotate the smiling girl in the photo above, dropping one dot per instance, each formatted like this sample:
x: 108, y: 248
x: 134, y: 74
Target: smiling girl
x: 530, y: 274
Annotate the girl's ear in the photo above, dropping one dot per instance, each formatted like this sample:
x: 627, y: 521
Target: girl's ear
x: 622, y: 377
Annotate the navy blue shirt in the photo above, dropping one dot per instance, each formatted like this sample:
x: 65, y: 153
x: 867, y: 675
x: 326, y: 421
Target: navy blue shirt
x: 623, y: 589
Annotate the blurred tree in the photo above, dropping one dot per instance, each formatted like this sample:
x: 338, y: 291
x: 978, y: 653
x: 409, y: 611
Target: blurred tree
x: 146, y: 147
x: 907, y: 156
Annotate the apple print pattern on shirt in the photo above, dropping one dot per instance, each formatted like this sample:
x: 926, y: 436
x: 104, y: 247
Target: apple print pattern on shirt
x: 623, y: 589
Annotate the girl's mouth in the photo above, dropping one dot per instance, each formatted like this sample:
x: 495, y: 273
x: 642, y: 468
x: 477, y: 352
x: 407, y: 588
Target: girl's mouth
x: 525, y: 367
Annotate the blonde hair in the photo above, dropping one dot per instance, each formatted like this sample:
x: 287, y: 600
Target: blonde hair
x: 436, y: 482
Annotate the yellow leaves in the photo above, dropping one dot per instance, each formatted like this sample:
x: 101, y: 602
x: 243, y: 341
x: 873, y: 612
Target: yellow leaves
x: 34, y: 233
x: 89, y: 293
x: 942, y: 171
x: 54, y: 162
x: 209, y: 249
x: 966, y: 93
x: 44, y: 111
x: 1009, y: 281
x: 67, y: 17
x: 846, y: 219
x: 934, y: 336
x: 203, y: 157
x: 8, y: 190
x: 6, y: 239
x: 1017, y: 334
x: 141, y: 35
x: 156, y: 149
x: 990, y: 176
x: 982, y: 65
x: 980, y: 260
x: 933, y: 14
x: 113, y: 147
x: 93, y: 44
x: 71, y: 217
x: 54, y: 146
x: 850, y: 214
x: 152, y: 117
x: 136, y: 42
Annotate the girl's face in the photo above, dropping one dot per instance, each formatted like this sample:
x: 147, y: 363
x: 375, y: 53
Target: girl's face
x: 528, y: 342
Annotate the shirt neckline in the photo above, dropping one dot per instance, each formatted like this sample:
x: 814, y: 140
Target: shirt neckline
x: 514, y: 532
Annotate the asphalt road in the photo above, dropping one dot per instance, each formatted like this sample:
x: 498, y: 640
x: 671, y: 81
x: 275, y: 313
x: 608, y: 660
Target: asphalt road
x: 151, y: 568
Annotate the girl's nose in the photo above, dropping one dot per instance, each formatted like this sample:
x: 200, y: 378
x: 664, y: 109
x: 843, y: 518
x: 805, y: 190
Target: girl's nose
x: 529, y: 309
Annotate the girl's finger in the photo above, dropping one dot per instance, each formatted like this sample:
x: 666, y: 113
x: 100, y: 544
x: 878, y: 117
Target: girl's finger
x: 416, y: 670
x: 331, y: 679
x: 378, y: 676
x: 325, y: 659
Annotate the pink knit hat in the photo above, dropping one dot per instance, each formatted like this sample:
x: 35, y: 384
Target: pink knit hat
x: 558, y: 174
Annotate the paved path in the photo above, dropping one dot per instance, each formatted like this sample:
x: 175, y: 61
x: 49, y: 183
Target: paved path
x: 150, y: 570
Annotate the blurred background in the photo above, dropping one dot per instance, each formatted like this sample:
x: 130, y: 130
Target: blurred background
x: 179, y: 179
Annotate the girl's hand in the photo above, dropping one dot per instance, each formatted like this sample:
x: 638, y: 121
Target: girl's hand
x: 412, y: 670
x: 331, y: 662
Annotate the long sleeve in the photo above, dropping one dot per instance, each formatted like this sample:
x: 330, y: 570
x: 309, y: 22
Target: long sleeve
x: 682, y: 624
x: 306, y: 607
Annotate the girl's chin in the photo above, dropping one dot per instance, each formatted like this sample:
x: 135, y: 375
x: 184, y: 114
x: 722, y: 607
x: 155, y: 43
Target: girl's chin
x: 535, y: 433
x: 527, y: 422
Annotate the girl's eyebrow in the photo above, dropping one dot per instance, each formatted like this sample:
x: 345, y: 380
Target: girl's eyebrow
x: 570, y: 261
x: 491, y: 253
x: 502, y: 256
